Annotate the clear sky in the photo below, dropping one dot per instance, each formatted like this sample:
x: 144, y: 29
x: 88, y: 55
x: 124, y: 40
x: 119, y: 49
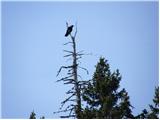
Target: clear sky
x: 125, y: 33
x: 0, y: 65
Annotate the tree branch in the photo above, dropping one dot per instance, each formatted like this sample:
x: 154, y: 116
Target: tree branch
x: 62, y: 103
x: 63, y: 67
x: 68, y: 51
x: 67, y: 43
x: 76, y: 30
x: 84, y: 69
x: 65, y: 78
x: 68, y: 55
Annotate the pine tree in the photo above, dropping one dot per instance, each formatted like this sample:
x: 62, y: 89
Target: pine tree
x: 154, y: 114
x: 143, y: 115
x: 102, y: 96
x: 42, y: 117
x: 32, y: 115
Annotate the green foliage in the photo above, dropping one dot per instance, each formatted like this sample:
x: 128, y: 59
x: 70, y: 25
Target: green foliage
x: 143, y: 115
x: 42, y: 117
x: 32, y: 115
x: 105, y: 100
x: 154, y: 109
x: 102, y: 96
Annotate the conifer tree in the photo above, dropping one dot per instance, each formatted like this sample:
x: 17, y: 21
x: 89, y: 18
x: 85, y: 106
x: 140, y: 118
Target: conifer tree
x: 32, y: 115
x: 153, y: 113
x: 42, y: 117
x: 103, y: 99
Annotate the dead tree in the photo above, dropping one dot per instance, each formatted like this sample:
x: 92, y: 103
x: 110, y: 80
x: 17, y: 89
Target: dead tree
x: 72, y: 79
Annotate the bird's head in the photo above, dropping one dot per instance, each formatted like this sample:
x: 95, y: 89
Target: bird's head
x: 72, y: 26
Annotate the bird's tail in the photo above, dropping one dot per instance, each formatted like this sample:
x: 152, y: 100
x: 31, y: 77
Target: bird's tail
x: 66, y: 35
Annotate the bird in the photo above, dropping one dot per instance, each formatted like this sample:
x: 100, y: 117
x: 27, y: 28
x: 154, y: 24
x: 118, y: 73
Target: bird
x: 69, y: 30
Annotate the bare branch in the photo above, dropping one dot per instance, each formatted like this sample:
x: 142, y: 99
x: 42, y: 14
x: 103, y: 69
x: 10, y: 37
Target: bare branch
x: 63, y: 67
x: 67, y: 43
x: 80, y: 51
x: 80, y: 54
x: 71, y: 112
x: 65, y: 78
x: 80, y: 76
x: 68, y: 55
x: 65, y: 110
x: 70, y: 91
x: 84, y: 69
x: 72, y: 100
x: 70, y: 82
x: 67, y: 99
x: 79, y: 57
x: 68, y: 79
x: 68, y: 116
x: 68, y: 51
x: 70, y: 69
x: 67, y: 24
x: 83, y: 82
x: 76, y: 30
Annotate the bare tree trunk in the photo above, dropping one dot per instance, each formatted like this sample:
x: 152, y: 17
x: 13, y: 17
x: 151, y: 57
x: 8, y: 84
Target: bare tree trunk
x: 78, y: 96
x: 72, y: 79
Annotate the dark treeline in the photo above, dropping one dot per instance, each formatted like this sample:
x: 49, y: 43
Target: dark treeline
x: 101, y: 96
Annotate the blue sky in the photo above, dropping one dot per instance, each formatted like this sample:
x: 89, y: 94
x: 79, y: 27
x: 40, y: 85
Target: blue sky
x: 0, y: 66
x: 125, y: 33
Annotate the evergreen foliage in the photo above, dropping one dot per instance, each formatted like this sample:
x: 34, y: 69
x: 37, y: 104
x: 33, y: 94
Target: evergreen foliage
x: 154, y: 114
x: 102, y: 96
x: 154, y: 109
x: 42, y: 117
x: 32, y: 115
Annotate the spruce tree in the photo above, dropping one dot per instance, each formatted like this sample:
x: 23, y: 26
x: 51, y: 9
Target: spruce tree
x: 42, y: 117
x: 32, y: 115
x: 153, y: 113
x: 102, y: 96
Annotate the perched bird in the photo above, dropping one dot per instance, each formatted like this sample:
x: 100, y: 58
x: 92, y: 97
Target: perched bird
x: 69, y: 30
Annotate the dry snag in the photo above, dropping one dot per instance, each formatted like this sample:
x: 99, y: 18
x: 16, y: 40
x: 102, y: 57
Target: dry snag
x: 74, y: 108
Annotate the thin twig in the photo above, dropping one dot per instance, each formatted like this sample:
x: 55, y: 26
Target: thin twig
x: 68, y: 51
x: 65, y: 78
x: 63, y: 67
x: 67, y: 43
x: 68, y: 55
x: 84, y: 69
